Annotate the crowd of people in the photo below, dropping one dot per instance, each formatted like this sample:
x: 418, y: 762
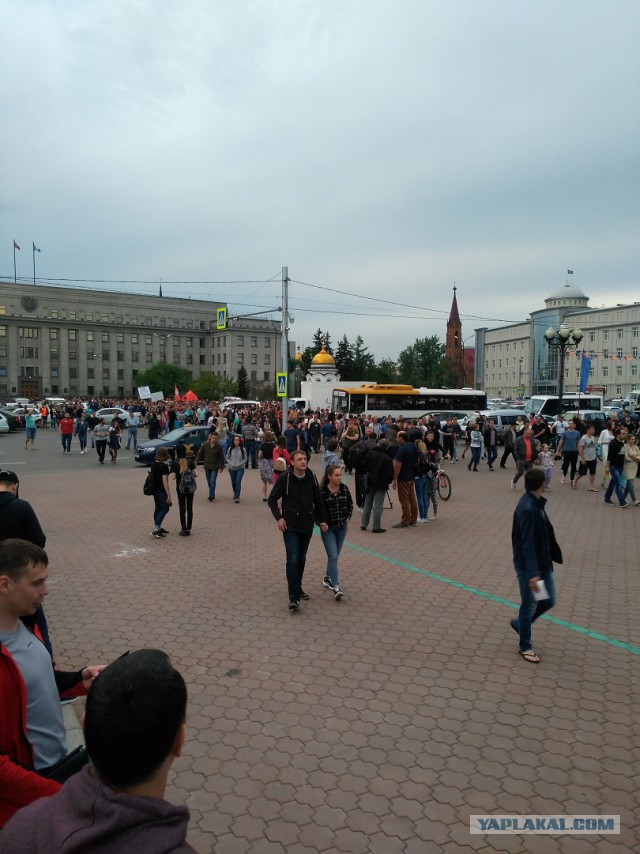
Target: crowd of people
x: 120, y: 776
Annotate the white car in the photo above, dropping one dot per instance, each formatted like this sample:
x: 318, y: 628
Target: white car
x: 111, y: 412
x: 4, y: 424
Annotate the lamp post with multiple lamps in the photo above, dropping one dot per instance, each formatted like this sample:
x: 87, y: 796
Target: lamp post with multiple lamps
x: 564, y: 339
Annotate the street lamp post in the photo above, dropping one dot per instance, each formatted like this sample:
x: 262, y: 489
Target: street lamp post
x: 564, y: 339
x: 520, y: 389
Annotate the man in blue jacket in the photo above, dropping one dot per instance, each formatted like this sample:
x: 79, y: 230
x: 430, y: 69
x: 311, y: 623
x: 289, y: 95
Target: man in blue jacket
x: 535, y: 549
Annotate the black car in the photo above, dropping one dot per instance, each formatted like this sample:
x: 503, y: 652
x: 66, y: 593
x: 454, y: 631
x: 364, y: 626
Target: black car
x: 191, y: 437
x: 16, y: 422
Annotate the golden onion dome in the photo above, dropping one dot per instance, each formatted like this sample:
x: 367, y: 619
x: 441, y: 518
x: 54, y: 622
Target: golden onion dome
x: 323, y: 358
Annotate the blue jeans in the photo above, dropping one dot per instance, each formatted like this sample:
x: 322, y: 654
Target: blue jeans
x: 476, y: 453
x: 296, y: 545
x: 630, y: 489
x: 530, y: 610
x: 251, y: 448
x: 212, y: 477
x: 133, y: 435
x: 614, y: 483
x: 161, y: 507
x: 332, y: 540
x: 422, y: 496
x: 492, y: 453
x: 236, y: 476
x: 66, y: 442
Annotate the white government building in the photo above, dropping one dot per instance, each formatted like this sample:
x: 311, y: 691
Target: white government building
x: 74, y: 341
x: 517, y: 359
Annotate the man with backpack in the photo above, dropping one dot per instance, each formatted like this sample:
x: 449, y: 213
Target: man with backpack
x: 297, y: 505
x: 358, y: 459
x: 379, y: 474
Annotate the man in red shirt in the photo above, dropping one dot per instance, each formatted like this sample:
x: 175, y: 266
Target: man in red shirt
x: 65, y: 428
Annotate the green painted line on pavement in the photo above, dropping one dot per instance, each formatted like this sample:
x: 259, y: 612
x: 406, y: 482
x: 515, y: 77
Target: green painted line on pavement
x: 484, y: 595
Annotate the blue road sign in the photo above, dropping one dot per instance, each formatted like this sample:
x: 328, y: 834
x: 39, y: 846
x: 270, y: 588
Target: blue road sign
x: 221, y: 318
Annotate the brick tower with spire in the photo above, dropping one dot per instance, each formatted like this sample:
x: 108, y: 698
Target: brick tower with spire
x: 461, y: 356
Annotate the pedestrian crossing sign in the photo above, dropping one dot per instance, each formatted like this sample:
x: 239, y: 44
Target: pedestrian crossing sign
x: 281, y: 385
x: 221, y: 318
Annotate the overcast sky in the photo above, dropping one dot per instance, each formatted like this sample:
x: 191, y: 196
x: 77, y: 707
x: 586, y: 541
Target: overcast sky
x: 381, y: 149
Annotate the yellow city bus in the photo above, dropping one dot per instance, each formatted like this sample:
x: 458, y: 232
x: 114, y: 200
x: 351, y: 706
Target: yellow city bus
x: 381, y: 400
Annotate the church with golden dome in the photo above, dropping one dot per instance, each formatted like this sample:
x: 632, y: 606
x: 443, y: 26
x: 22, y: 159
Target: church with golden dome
x: 323, y: 368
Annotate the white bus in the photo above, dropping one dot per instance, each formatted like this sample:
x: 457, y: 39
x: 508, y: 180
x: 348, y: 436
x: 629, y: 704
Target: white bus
x: 394, y: 400
x: 549, y: 404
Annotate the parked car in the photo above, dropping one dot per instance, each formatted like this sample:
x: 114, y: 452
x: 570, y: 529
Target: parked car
x: 503, y: 419
x: 191, y: 437
x: 4, y: 425
x: 16, y: 422
x: 590, y: 416
x: 111, y: 412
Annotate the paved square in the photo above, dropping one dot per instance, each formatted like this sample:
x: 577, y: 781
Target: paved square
x: 380, y: 723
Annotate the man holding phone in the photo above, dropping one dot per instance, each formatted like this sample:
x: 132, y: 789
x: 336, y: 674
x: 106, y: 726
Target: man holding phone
x: 535, y: 549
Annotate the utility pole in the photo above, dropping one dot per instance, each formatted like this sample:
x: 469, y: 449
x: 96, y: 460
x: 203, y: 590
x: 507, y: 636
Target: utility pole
x: 285, y: 324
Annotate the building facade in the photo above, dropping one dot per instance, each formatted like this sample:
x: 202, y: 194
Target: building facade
x: 516, y: 360
x: 71, y: 341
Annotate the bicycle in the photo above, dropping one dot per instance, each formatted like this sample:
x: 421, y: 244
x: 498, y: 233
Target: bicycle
x: 439, y: 486
x: 443, y: 483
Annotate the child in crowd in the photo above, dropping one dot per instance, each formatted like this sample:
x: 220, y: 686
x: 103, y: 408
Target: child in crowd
x: 545, y: 460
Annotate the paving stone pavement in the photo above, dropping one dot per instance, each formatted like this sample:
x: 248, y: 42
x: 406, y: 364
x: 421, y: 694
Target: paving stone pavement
x: 380, y: 723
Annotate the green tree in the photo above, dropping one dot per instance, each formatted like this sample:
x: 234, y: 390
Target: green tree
x: 344, y: 360
x: 262, y: 390
x: 163, y: 377
x: 421, y: 364
x: 386, y: 371
x: 243, y: 383
x: 210, y: 387
x: 364, y: 365
x: 321, y: 339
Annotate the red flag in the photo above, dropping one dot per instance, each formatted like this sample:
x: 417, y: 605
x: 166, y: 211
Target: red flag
x: 176, y: 393
x: 15, y: 246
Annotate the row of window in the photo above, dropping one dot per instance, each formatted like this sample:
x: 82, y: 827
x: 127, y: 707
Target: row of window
x: 103, y: 317
x: 619, y: 372
x: 221, y: 341
x: 33, y: 332
x: 607, y: 334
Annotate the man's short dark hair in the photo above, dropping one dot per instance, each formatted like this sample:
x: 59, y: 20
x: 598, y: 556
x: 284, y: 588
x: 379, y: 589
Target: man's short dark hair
x: 134, y: 710
x: 17, y: 556
x: 533, y: 480
x: 384, y: 444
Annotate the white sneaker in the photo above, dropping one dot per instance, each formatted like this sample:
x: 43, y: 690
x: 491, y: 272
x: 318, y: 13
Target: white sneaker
x: 513, y: 486
x: 421, y: 521
x: 562, y: 480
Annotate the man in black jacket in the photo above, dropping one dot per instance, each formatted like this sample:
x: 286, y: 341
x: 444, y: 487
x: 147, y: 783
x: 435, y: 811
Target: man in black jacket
x: 379, y: 469
x: 301, y: 507
x: 358, y: 456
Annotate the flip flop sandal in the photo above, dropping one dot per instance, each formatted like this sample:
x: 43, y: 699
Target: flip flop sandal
x: 530, y: 657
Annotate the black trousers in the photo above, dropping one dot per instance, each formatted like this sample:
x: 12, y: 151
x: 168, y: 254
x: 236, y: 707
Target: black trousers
x: 185, y: 507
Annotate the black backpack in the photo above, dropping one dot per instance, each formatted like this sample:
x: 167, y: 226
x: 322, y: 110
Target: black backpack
x: 148, y: 485
x: 187, y: 485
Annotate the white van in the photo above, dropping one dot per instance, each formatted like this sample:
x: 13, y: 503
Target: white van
x: 632, y: 400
